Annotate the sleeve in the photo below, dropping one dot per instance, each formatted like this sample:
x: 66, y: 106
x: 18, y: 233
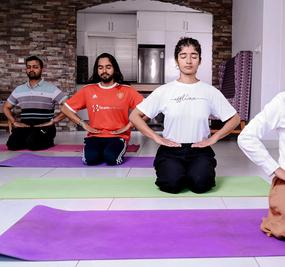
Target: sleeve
x: 12, y: 99
x: 151, y: 105
x: 221, y: 108
x: 60, y: 96
x: 249, y: 139
x: 136, y: 98
x: 77, y: 101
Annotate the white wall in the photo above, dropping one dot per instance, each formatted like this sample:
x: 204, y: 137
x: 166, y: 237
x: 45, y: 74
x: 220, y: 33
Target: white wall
x: 258, y: 26
x: 247, y: 35
x: 272, y: 51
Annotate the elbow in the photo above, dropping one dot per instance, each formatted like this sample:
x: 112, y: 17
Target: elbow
x: 132, y: 116
x: 242, y: 141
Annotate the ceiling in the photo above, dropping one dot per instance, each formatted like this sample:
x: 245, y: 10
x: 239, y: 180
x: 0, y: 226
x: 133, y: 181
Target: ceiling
x: 132, y: 6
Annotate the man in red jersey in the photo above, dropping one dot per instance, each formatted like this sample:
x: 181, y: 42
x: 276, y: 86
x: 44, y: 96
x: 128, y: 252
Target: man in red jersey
x: 108, y: 102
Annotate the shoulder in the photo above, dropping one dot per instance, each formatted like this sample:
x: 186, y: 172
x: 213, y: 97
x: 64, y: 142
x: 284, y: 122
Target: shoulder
x: 210, y: 88
x: 89, y: 86
x: 280, y: 97
x: 49, y: 87
x: 21, y: 88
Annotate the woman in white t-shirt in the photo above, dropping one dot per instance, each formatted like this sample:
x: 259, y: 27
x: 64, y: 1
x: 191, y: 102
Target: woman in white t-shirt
x: 185, y: 158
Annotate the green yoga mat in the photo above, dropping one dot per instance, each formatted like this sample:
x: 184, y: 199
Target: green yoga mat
x: 123, y: 187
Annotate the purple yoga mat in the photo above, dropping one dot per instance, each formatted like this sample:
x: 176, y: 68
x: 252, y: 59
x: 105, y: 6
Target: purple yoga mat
x: 33, y: 160
x: 71, y: 148
x: 50, y: 234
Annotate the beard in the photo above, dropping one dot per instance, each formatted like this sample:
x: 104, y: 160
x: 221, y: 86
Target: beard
x: 106, y: 78
x: 34, y: 76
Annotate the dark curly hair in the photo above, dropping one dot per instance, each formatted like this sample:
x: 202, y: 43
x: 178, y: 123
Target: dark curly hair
x: 187, y: 41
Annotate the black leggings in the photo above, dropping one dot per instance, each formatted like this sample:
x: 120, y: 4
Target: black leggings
x: 183, y: 167
x: 32, y: 138
x: 104, y: 149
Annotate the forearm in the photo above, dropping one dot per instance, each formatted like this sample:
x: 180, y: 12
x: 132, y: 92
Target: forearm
x: 8, y: 113
x: 58, y: 117
x: 138, y: 120
x: 229, y: 126
x: 70, y: 114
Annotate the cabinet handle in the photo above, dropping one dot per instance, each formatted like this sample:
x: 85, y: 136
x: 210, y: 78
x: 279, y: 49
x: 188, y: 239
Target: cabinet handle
x: 187, y: 25
x: 109, y: 28
x: 112, y: 26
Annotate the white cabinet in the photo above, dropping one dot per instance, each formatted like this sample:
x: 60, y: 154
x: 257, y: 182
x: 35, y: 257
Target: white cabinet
x: 188, y: 22
x: 110, y: 24
x: 150, y: 28
x: 150, y: 21
x: 199, y: 22
x: 205, y: 69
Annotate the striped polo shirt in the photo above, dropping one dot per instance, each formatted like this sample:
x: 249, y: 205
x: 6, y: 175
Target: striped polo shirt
x: 37, y: 103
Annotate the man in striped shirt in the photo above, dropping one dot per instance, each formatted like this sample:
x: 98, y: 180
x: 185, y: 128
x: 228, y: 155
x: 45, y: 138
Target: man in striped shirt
x: 36, y: 98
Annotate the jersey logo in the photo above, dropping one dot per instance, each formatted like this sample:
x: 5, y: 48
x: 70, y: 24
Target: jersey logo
x: 120, y: 95
x: 94, y: 96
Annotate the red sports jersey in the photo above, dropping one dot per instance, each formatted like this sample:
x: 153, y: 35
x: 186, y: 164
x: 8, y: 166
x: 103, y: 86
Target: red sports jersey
x: 108, y: 108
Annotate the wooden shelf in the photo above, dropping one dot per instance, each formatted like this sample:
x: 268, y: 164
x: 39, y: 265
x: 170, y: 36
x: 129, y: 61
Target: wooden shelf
x: 145, y: 88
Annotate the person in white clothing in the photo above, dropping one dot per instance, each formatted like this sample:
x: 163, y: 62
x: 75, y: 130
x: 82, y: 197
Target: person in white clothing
x: 185, y: 158
x: 271, y: 118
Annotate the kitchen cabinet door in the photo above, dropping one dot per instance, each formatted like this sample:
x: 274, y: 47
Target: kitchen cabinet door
x: 124, y: 24
x: 188, y: 22
x: 175, y: 22
x: 150, y: 28
x: 150, y: 21
x: 98, y: 23
x: 199, y: 22
x: 111, y: 24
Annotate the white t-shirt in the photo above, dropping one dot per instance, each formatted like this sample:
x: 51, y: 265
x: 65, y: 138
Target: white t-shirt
x: 187, y: 108
x: 271, y: 118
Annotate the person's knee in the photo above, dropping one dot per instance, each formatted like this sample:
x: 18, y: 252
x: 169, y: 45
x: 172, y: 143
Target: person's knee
x: 91, y: 158
x: 202, y: 185
x: 169, y: 186
x: 14, y: 146
x: 169, y: 189
x: 34, y: 145
x: 200, y: 189
x: 111, y: 160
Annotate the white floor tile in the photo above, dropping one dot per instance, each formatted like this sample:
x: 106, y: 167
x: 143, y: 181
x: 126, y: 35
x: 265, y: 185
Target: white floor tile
x: 271, y: 261
x: 6, y: 262
x: 211, y: 262
x: 246, y: 202
x: 166, y: 203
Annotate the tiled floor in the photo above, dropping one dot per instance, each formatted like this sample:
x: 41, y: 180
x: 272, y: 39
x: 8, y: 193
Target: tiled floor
x: 231, y: 162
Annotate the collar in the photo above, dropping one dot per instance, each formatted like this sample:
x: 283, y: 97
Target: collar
x: 38, y: 84
x: 107, y: 87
